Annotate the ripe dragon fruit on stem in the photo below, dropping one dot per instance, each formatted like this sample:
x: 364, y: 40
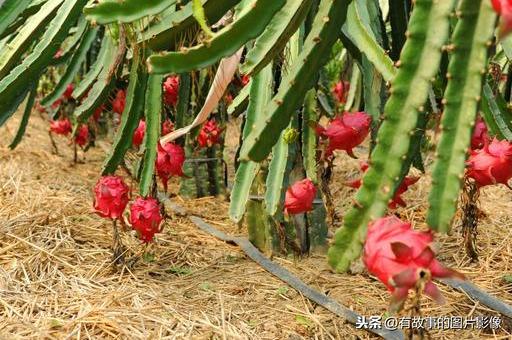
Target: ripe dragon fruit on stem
x: 340, y: 91
x: 299, y: 197
x: 68, y: 94
x: 138, y: 135
x: 111, y: 195
x: 119, y: 102
x: 480, y: 135
x: 209, y: 134
x: 145, y: 218
x: 504, y: 9
x: 97, y: 113
x: 244, y: 80
x: 167, y: 127
x: 169, y: 162
x: 492, y: 164
x: 171, y: 89
x: 61, y: 127
x: 82, y: 136
x: 346, y: 132
x: 403, y: 259
x: 397, y: 200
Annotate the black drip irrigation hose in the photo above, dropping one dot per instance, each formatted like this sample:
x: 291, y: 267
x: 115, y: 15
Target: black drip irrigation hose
x: 283, y: 274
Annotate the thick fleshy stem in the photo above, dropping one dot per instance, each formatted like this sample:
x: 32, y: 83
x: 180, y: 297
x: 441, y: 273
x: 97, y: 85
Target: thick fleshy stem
x: 471, y: 212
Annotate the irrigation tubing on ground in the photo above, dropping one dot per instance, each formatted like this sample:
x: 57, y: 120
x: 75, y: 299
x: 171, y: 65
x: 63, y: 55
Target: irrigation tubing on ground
x: 281, y: 273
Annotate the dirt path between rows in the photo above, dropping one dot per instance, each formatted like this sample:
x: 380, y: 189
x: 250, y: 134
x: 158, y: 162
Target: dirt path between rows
x: 56, y: 279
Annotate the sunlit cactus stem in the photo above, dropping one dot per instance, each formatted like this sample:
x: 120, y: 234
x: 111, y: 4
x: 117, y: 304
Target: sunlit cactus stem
x: 470, y: 42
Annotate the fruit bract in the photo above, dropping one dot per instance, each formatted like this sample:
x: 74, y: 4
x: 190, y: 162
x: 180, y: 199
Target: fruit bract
x: 400, y: 257
x: 340, y: 91
x: 492, y: 164
x: 209, y: 134
x: 138, y: 135
x: 480, y: 135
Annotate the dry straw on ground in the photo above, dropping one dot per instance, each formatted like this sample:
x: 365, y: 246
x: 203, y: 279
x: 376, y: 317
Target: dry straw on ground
x: 57, y: 282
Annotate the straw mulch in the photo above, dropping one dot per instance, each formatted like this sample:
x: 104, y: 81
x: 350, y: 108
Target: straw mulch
x: 57, y: 280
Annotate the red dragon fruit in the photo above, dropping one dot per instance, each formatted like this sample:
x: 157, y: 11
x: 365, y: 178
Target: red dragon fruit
x: 58, y: 54
x: 480, y: 135
x: 346, y: 132
x: 68, y: 94
x: 169, y: 161
x: 171, y: 90
x: 145, y: 218
x: 111, y: 196
x: 98, y: 112
x: 167, y: 127
x: 61, y: 127
x: 119, y: 102
x: 209, y: 135
x: 504, y: 9
x: 397, y: 199
x: 400, y: 257
x: 82, y: 136
x: 228, y: 98
x: 492, y: 164
x: 299, y: 197
x: 40, y: 108
x: 340, y: 91
x: 56, y: 104
x: 138, y: 135
x: 245, y: 80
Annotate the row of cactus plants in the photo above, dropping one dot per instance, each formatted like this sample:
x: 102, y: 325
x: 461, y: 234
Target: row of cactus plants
x: 315, y: 79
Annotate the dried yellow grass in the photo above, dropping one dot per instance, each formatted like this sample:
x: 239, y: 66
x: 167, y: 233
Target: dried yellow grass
x: 57, y: 281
